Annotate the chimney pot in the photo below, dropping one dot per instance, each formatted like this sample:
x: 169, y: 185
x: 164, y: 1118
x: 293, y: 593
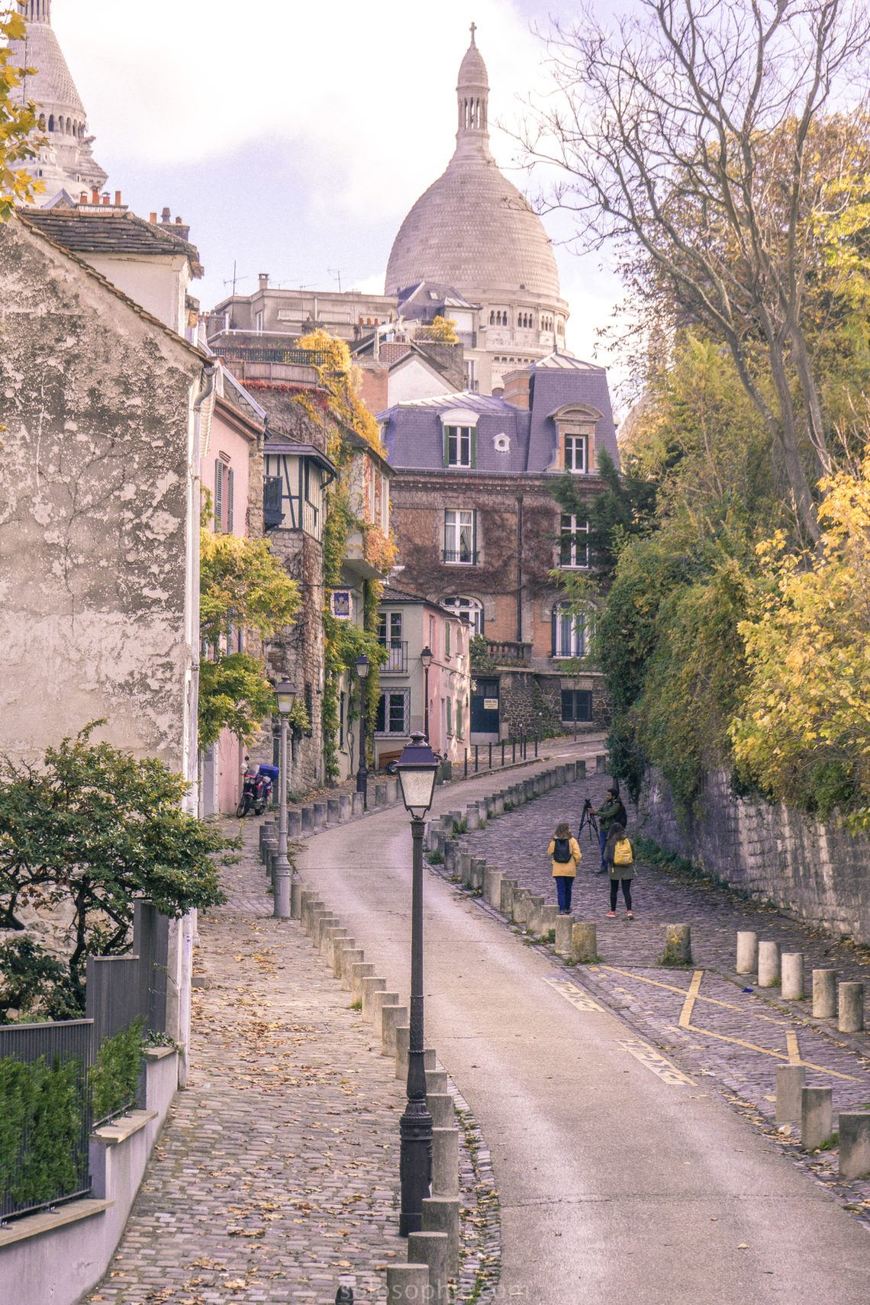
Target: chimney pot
x: 95, y: 196
x: 118, y: 201
x: 264, y: 280
x: 166, y: 215
x: 105, y: 197
x: 152, y: 217
x: 83, y: 197
x: 178, y: 222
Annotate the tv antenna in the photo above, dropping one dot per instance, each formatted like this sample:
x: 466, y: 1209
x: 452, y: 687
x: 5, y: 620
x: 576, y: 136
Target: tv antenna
x: 236, y: 278
x: 335, y: 272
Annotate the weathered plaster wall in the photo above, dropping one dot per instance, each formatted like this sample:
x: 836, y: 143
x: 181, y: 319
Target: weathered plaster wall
x: 815, y: 871
x: 96, y: 502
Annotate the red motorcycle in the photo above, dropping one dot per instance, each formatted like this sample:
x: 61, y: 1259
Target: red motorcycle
x: 256, y: 790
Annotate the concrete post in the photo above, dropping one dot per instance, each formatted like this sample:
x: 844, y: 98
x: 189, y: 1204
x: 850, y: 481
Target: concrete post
x: 850, y: 1007
x: 331, y: 936
x: 294, y: 825
x: 441, y: 1109
x: 536, y: 916
x: 445, y: 1161
x: 362, y: 970
x: 379, y: 1001
x: 350, y: 956
x: 747, y: 952
x: 478, y: 866
x: 391, y: 784
x: 678, y: 945
x: 824, y: 994
x: 498, y: 804
x: 441, y: 1215
x: 472, y: 816
x: 507, y: 896
x: 581, y: 769
x: 319, y: 816
x: 436, y: 1082
x: 492, y: 886
x: 465, y: 869
x: 564, y: 927
x: 817, y: 1117
x: 306, y: 820
x: 793, y: 976
x: 333, y: 811
x: 584, y: 942
x: 324, y: 922
x: 768, y: 964
x: 357, y: 803
x: 790, y: 1083
x: 407, y: 1284
x: 854, y: 1144
x: 380, y: 795
x: 403, y: 1042
x: 345, y: 807
x: 392, y: 1018
x: 369, y: 987
x: 549, y: 916
x: 522, y: 906
x: 431, y: 1249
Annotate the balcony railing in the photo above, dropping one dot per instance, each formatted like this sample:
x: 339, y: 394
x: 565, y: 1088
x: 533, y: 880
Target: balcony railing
x: 259, y: 354
x: 397, y: 657
x: 463, y: 557
x: 508, y: 652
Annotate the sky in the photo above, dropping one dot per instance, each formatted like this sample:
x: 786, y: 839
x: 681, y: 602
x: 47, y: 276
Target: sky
x: 293, y: 137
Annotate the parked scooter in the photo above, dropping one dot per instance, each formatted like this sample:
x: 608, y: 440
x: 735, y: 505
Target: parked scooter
x: 257, y: 783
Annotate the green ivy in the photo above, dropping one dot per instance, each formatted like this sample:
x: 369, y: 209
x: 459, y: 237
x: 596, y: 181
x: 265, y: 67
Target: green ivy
x: 115, y: 1073
x: 42, y: 1114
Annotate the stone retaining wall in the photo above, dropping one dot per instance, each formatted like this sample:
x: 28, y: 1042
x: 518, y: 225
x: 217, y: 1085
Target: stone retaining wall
x: 815, y: 871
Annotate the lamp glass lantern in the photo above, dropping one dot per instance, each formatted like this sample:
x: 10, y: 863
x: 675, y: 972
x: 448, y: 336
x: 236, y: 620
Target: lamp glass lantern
x: 362, y: 666
x: 426, y: 657
x: 285, y: 696
x: 417, y: 768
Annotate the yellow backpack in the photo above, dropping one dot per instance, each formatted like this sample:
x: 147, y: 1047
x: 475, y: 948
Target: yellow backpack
x: 623, y: 853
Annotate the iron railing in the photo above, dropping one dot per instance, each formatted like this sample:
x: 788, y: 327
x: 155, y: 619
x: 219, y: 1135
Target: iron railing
x: 492, y: 756
x: 259, y: 354
x: 397, y: 657
x: 464, y: 555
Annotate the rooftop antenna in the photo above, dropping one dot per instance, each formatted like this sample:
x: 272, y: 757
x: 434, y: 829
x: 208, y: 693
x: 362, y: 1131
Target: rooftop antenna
x: 336, y: 272
x: 236, y: 278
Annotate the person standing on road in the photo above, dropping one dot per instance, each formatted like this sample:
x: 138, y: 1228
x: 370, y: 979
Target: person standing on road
x: 610, y: 814
x: 566, y: 856
x: 619, y: 857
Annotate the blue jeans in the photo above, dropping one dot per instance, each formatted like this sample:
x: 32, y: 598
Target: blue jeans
x: 602, y: 843
x: 564, y: 885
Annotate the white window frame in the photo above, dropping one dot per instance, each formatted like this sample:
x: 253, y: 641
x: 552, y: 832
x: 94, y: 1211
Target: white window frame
x: 577, y: 442
x: 456, y: 522
x: 570, y: 527
x: 469, y: 610
x: 387, y: 732
x: 570, y: 630
x: 461, y: 438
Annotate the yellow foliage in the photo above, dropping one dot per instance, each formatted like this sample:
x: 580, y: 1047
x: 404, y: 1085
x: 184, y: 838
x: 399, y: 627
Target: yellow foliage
x: 441, y: 330
x: 342, y: 380
x: 17, y: 121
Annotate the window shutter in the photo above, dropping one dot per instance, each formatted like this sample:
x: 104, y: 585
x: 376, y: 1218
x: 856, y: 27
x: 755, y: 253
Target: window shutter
x: 218, y: 495
x: 474, y: 542
x: 553, y: 620
x: 474, y: 446
x: 444, y: 451
x: 230, y: 478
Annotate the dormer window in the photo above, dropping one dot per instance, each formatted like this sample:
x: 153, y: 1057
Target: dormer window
x: 457, y: 445
x: 577, y: 454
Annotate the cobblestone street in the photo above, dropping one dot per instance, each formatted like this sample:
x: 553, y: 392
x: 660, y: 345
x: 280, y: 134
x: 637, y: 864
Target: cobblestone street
x: 277, y: 1169
x: 725, y: 1030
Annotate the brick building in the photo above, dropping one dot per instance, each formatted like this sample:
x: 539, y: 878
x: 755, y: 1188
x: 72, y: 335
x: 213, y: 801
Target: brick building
x: 480, y: 532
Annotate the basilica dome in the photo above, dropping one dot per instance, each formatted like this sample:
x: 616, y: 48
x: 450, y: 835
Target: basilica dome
x: 472, y: 229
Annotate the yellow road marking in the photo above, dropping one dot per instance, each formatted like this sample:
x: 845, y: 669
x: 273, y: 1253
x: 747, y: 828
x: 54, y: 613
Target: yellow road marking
x: 683, y: 992
x: 691, y: 997
x: 765, y: 1051
x: 794, y: 1051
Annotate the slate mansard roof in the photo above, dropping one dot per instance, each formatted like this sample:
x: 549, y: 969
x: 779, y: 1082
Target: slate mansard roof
x: 413, y: 431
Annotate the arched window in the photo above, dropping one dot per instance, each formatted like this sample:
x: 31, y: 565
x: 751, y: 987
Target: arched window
x: 491, y: 318
x: 469, y: 610
x: 51, y: 122
x: 569, y: 632
x: 41, y: 123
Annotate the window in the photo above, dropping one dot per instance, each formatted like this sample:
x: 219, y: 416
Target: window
x: 469, y: 610
x: 389, y: 628
x: 573, y: 541
x: 460, y: 725
x: 392, y: 717
x: 576, y: 447
x: 459, y: 444
x: 446, y: 638
x: 569, y: 632
x: 460, y: 530
x: 223, y: 497
x: 448, y: 711
x: 576, y: 705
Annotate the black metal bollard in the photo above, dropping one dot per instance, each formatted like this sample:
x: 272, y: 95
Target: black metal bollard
x: 344, y: 1296
x: 502, y: 752
x: 476, y: 757
x: 465, y: 775
x: 513, y: 749
x: 490, y: 756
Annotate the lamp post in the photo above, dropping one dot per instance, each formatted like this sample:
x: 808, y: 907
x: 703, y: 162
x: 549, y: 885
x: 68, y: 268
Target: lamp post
x: 416, y: 767
x: 284, y: 697
x: 426, y: 662
x: 362, y: 774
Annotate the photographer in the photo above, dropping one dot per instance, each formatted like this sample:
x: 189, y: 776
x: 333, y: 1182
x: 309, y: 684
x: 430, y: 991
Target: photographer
x: 612, y: 813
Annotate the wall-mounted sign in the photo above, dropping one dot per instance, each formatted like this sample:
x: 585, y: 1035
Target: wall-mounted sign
x: 490, y: 704
x: 341, y: 604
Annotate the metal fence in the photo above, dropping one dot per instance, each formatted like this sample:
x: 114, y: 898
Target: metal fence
x: 45, y: 1167
x: 120, y: 990
x: 492, y: 756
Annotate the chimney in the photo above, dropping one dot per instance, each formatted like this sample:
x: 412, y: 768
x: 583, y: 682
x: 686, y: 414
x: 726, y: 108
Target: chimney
x: 516, y: 388
x: 166, y: 215
x: 83, y: 197
x: 105, y: 197
x: 152, y: 217
x: 178, y: 222
x: 118, y: 200
x: 264, y: 280
x: 95, y: 196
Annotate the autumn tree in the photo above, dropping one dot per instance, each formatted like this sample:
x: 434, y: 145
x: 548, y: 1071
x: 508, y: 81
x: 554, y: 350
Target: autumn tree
x: 17, y: 118
x: 441, y: 330
x: 694, y: 139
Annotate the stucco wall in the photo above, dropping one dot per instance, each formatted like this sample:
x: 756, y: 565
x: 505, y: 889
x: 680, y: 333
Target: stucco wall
x: 813, y: 870
x: 96, y: 506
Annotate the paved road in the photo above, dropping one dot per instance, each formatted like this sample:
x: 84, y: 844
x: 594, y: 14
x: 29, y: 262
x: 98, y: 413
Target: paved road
x: 620, y: 1182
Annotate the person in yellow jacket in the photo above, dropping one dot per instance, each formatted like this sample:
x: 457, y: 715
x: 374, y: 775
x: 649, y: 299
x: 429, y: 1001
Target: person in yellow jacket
x: 566, y: 855
x: 619, y: 857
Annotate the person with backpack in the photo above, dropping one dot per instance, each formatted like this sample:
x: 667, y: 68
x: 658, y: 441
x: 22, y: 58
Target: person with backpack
x: 619, y: 856
x: 612, y: 813
x: 566, y: 855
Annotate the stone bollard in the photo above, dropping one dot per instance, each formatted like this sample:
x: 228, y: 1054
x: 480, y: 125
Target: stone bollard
x: 345, y: 806
x: 854, y: 1144
x: 357, y: 803
x: 549, y: 916
x: 392, y: 1018
x: 478, y: 865
x: 362, y: 970
x: 324, y: 922
x: 472, y: 816
x: 824, y: 994
x: 294, y: 825
x: 306, y: 820
x: 747, y: 952
x: 445, y: 1161
x: 584, y: 942
x: 441, y: 1109
x: 508, y: 887
x: 350, y: 956
x: 790, y: 1083
x: 341, y: 941
x: 441, y: 1215
x: 522, y: 907
x: 498, y: 804
x: 307, y: 895
x: 391, y: 784
x: 465, y: 869
x: 407, y: 1284
x: 536, y: 916
x: 850, y: 1007
x: 333, y: 811
x: 268, y: 829
x: 768, y: 964
x: 436, y: 1082
x: 370, y: 986
x: 431, y: 1249
x: 678, y: 945
x: 270, y: 853
x: 793, y: 976
x: 403, y: 1042
x: 564, y: 928
x: 492, y: 886
x: 380, y: 795
x: 381, y: 999
x: 581, y: 769
x: 319, y: 817
x: 331, y: 936
x: 817, y: 1117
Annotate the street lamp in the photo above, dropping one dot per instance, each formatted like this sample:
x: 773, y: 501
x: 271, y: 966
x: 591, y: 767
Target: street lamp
x: 362, y: 774
x: 426, y: 662
x: 416, y: 768
x: 285, y: 695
